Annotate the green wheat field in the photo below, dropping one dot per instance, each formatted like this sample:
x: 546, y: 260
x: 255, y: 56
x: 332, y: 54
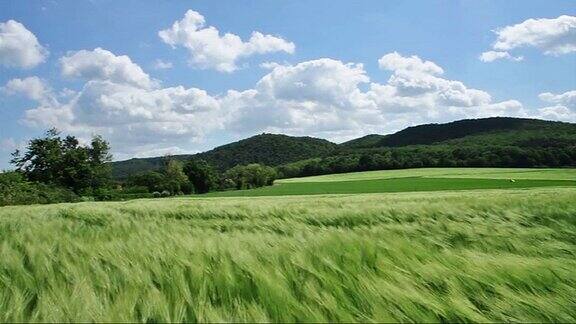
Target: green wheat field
x: 425, y: 245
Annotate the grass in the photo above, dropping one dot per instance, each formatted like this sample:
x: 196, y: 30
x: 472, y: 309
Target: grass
x: 389, y: 185
x: 425, y: 179
x: 486, y: 173
x: 483, y: 256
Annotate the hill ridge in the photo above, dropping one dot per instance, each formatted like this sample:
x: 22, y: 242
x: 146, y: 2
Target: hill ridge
x: 280, y: 149
x: 265, y: 148
x: 432, y: 133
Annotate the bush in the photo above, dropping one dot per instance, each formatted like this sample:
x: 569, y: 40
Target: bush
x: 103, y: 194
x: 15, y: 190
x: 156, y: 194
x: 226, y: 184
x: 152, y: 180
x: 251, y: 176
x: 135, y: 189
x: 128, y: 196
x: 165, y: 193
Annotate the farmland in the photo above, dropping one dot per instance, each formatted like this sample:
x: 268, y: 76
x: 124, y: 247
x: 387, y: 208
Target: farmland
x: 485, y: 173
x: 452, y: 255
x: 428, y: 179
x: 287, y: 161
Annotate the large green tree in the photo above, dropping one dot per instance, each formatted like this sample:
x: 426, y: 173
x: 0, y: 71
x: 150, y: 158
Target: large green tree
x: 201, y: 174
x: 175, y: 179
x: 63, y: 161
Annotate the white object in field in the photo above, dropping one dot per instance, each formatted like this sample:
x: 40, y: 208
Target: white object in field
x: 512, y: 180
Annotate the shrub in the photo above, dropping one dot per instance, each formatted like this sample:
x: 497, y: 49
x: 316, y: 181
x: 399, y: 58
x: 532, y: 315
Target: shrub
x: 135, y: 189
x: 103, y: 194
x: 251, y: 176
x: 15, y: 190
x: 128, y: 196
x: 226, y: 184
x: 152, y: 180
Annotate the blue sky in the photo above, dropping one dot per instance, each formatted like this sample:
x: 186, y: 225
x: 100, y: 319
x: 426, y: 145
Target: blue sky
x: 334, y: 69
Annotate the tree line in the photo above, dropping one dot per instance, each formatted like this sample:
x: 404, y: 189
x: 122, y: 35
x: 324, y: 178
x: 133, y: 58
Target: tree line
x: 433, y: 156
x: 57, y: 168
x: 198, y: 176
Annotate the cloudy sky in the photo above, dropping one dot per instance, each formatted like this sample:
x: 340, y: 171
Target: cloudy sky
x: 170, y: 77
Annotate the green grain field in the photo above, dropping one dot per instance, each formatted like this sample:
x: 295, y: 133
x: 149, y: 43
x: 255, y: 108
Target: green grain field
x: 482, y: 255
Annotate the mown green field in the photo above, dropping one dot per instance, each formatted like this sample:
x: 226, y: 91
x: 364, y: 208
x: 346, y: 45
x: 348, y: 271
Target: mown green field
x: 486, y: 173
x: 390, y: 185
x: 426, y: 179
x: 481, y: 255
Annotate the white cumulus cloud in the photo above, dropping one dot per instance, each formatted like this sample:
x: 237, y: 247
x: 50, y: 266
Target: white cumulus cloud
x: 567, y: 99
x: 101, y: 64
x: 19, y: 47
x: 491, y: 56
x: 132, y: 116
x: 32, y: 87
x: 323, y: 80
x: 558, y: 112
x: 162, y: 65
x: 210, y: 50
x: 325, y: 97
x: 563, y: 106
x: 420, y: 80
x: 553, y: 36
x: 396, y: 62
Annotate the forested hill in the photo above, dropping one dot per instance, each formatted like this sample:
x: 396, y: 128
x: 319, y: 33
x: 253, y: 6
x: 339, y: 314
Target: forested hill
x: 268, y: 149
x: 488, y: 142
x: 438, y: 133
x: 497, y: 141
x: 368, y: 141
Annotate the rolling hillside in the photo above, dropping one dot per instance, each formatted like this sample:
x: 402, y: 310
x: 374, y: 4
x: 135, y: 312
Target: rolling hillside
x: 489, y: 142
x: 268, y: 149
x: 368, y: 141
x: 435, y: 145
x: 472, y: 131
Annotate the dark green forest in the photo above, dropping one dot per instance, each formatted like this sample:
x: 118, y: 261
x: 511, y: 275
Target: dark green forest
x: 490, y: 142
